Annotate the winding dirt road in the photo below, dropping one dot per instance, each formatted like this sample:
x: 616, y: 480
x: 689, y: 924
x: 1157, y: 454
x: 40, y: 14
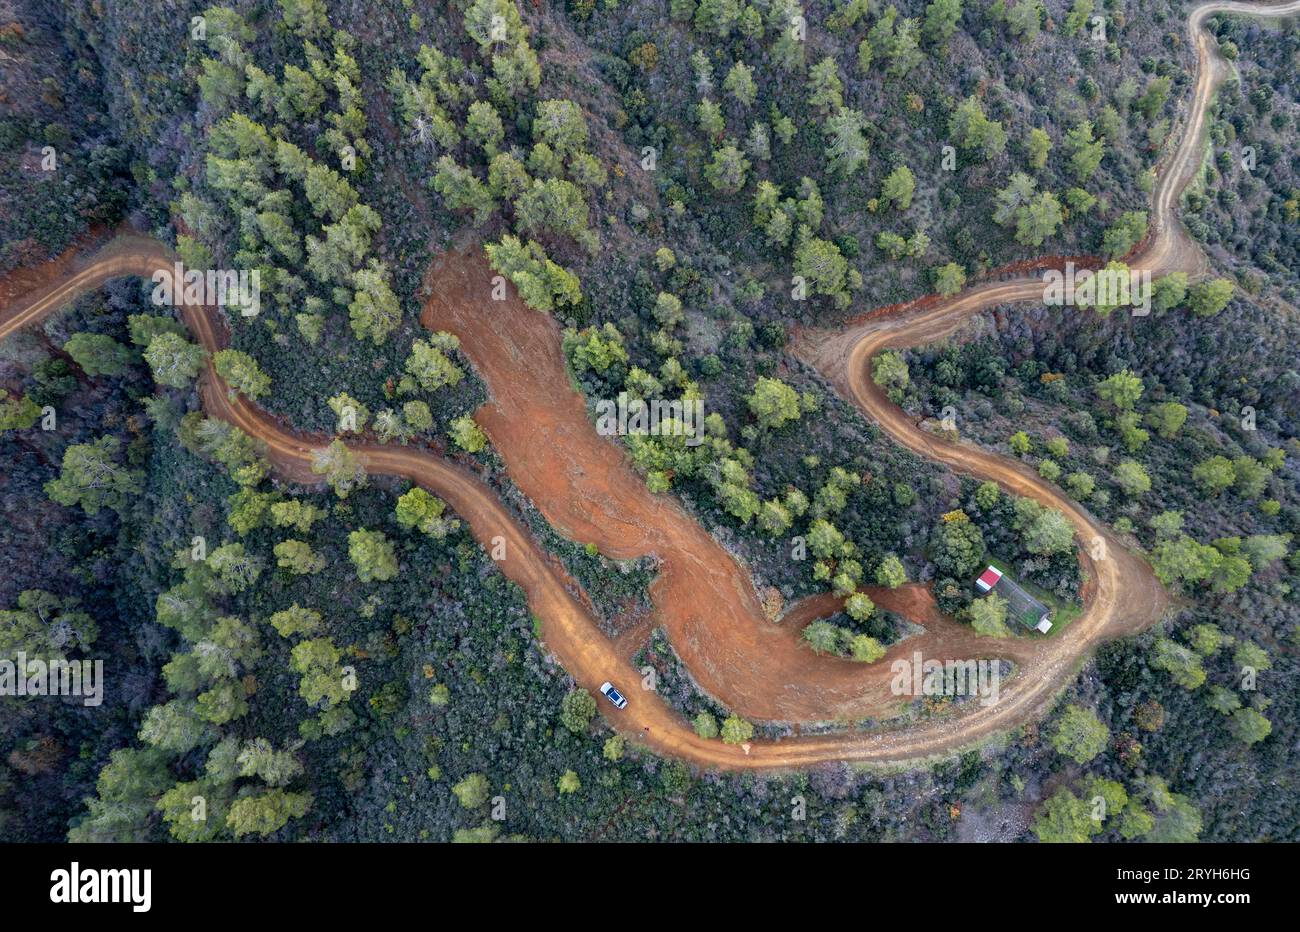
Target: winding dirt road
x: 703, y: 596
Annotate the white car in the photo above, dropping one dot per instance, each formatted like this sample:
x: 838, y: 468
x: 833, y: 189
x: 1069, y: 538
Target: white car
x: 613, y: 695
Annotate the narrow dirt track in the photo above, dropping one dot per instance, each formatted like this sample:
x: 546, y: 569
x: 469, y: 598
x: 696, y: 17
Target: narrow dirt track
x: 704, y: 597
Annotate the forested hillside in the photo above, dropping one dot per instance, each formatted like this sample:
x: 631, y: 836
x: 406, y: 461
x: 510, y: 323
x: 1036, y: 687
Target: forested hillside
x: 331, y: 654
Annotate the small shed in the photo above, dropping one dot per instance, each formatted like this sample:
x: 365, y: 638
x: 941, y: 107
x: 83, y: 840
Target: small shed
x: 1021, y: 606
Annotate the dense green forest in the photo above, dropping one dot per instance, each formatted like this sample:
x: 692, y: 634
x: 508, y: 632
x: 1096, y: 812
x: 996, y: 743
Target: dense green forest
x: 682, y: 184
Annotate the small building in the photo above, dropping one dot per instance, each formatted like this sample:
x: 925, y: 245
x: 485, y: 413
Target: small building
x: 1021, y: 606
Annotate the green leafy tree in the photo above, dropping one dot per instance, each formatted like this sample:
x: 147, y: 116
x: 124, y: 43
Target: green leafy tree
x: 708, y: 114
x: 1181, y: 663
x: 372, y: 555
x: 1229, y: 569
x: 248, y: 510
x: 1131, y: 476
x: 739, y: 83
x: 577, y: 710
x: 735, y: 730
x: 957, y: 546
x: 1038, y: 219
x: 417, y: 415
x: 298, y: 558
x: 92, y: 478
x: 542, y: 284
x: 597, y: 349
x: 1037, y: 147
x: 1209, y: 298
x: 973, y: 130
x: 467, y: 435
x: 17, y: 412
x: 889, y: 371
x: 1079, y: 734
x: 98, y: 354
x: 1126, y: 425
x: 1250, y: 654
x: 1176, y: 819
x: 1167, y: 418
x: 1168, y: 292
x: 941, y: 19
x: 1010, y: 201
x: 1248, y: 726
x: 1043, y: 531
x: 1064, y: 818
x: 44, y: 625
x: 822, y: 636
x: 236, y: 569
x: 1084, y: 151
x: 1153, y: 98
x: 420, y: 510
x: 178, y: 811
x: 295, y: 514
x: 705, y: 725
x: 774, y: 518
x: 825, y: 90
x: 342, y: 469
x: 890, y: 572
x: 174, y: 360
x: 259, y: 758
x: 428, y: 365
x: 266, y: 812
x: 1122, y: 389
x: 773, y: 402
x: 144, y: 327
x: 296, y: 620
x: 1205, y: 639
x: 1250, y: 476
x: 1078, y: 17
x: 175, y: 727
x: 1081, y: 485
x: 461, y: 189
x: 1025, y: 19
x: 322, y: 682
x: 472, y: 792
x: 1264, y: 549
x: 847, y: 149
x: 1124, y: 233
x: 899, y: 187
x: 988, y: 616
x: 483, y: 126
x: 948, y: 279
x: 1215, y: 474
x: 727, y: 170
x: 987, y: 495
x: 555, y: 205
x: 242, y: 373
x: 560, y: 125
x: 374, y: 311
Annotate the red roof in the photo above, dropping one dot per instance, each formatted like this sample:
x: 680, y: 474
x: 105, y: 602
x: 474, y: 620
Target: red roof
x: 989, y: 578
